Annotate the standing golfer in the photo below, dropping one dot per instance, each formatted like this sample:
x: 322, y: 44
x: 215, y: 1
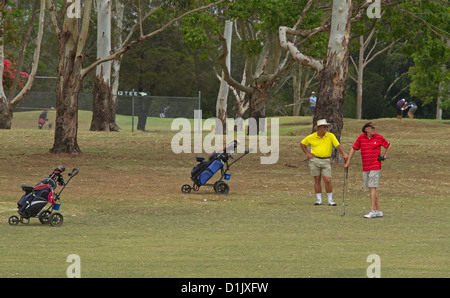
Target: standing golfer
x: 322, y: 143
x: 370, y: 144
x: 313, y: 103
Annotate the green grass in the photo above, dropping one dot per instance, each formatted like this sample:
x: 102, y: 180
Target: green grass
x: 125, y: 216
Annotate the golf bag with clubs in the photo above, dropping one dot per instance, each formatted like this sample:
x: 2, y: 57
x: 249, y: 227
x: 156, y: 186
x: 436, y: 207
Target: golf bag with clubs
x: 205, y: 170
x: 35, y: 198
x: 32, y: 203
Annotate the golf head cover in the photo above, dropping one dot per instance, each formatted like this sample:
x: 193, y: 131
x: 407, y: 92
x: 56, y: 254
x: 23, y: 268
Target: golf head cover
x: 56, y: 175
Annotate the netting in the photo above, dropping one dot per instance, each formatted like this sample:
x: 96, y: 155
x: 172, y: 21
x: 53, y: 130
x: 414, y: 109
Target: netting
x: 152, y: 106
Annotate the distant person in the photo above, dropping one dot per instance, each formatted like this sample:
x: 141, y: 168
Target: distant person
x: 399, y: 108
x: 42, y: 119
x: 313, y: 102
x: 412, y: 109
x: 321, y: 143
x: 370, y: 144
x: 164, y: 113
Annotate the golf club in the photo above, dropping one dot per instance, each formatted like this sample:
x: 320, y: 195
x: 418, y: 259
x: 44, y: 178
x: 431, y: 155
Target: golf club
x: 343, y: 190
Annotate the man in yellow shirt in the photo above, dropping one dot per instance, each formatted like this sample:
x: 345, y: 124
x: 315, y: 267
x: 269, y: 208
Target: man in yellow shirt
x: 321, y: 143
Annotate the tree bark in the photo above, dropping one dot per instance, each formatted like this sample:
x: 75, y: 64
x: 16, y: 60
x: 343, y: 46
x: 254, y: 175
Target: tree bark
x: 332, y: 77
x: 222, y: 98
x: 103, y: 116
x: 332, y: 72
x: 68, y: 84
x: 70, y: 74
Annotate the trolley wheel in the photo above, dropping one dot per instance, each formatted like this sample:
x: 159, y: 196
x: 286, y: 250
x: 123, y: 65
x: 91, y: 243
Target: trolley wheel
x: 222, y: 188
x: 24, y: 220
x: 215, y: 184
x: 186, y: 188
x: 13, y: 220
x: 56, y: 219
x: 43, y: 217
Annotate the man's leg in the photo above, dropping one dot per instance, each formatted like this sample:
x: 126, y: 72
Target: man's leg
x: 375, y: 205
x: 318, y: 189
x: 329, y: 190
x: 372, y: 179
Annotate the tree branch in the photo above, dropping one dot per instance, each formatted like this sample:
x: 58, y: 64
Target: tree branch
x: 296, y: 54
x: 36, y: 55
x: 128, y: 45
x: 226, y: 73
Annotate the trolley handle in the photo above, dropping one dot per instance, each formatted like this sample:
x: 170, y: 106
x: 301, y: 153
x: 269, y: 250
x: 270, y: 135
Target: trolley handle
x: 74, y: 172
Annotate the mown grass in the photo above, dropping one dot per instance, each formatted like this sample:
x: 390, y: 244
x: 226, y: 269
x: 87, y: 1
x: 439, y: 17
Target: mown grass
x: 125, y: 215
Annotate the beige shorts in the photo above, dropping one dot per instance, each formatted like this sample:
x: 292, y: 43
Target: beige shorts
x: 371, y: 178
x: 320, y: 167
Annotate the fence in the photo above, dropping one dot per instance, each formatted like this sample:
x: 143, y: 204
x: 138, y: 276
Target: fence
x: 129, y: 103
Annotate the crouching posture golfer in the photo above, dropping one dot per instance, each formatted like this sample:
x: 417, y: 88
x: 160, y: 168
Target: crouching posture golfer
x: 370, y: 144
x: 322, y: 143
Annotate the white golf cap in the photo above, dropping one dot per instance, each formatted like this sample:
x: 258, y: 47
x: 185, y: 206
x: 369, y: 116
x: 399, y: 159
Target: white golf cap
x: 321, y: 122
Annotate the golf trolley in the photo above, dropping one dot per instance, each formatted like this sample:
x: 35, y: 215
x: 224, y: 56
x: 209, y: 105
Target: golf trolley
x: 32, y: 203
x: 204, y: 171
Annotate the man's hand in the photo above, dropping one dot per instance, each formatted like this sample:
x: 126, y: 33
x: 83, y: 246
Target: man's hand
x: 310, y: 155
x: 381, y: 158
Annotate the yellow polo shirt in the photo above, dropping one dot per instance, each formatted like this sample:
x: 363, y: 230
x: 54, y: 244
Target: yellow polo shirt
x: 321, y: 147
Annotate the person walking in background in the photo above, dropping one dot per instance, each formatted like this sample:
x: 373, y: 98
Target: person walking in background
x: 399, y: 108
x: 370, y: 144
x: 321, y: 143
x: 313, y: 101
x: 42, y: 118
x: 412, y: 109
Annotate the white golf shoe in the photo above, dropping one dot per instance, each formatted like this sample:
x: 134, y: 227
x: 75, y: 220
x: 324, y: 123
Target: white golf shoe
x: 374, y: 214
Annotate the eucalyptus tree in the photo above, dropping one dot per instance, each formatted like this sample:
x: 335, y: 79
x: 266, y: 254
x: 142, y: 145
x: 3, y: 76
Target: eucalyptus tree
x: 71, y: 22
x: 256, y: 24
x: 8, y: 104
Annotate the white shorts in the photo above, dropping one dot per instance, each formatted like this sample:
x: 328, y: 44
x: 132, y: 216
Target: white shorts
x: 371, y: 178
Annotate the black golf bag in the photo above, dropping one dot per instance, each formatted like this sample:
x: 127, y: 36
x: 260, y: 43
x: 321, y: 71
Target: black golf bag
x: 37, y: 197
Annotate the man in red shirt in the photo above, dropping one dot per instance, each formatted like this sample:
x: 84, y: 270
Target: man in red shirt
x: 370, y: 144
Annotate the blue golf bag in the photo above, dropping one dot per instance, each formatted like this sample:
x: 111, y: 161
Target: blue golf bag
x: 205, y: 170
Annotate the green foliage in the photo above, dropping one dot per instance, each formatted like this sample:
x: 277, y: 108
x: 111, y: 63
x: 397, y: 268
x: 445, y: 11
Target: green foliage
x: 429, y: 70
x: 426, y: 27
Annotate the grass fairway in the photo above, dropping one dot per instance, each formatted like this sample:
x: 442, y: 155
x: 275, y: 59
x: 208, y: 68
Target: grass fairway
x: 125, y: 215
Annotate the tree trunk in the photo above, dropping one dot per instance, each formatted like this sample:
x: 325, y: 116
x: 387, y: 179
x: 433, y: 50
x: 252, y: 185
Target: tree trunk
x: 5, y: 114
x: 103, y: 117
x: 142, y: 106
x: 222, y: 98
x: 257, y: 104
x: 359, y: 81
x: 68, y: 84
x: 117, y: 41
x: 332, y: 77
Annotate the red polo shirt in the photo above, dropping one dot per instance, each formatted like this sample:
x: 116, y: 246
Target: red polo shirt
x: 370, y: 149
